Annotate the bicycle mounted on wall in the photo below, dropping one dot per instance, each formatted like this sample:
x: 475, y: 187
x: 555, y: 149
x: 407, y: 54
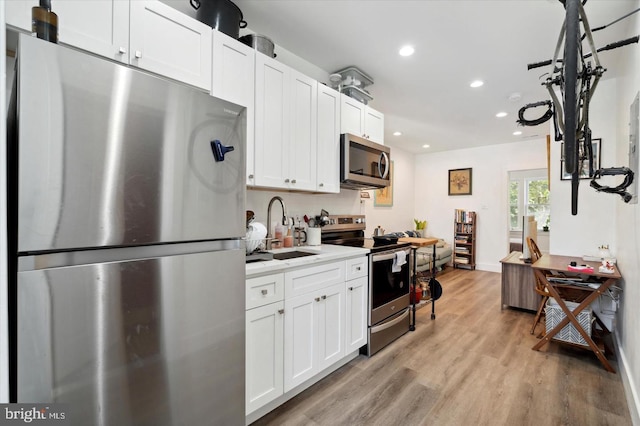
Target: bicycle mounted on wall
x: 571, y: 116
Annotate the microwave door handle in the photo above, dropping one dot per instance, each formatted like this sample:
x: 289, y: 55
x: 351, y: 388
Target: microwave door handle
x: 386, y: 164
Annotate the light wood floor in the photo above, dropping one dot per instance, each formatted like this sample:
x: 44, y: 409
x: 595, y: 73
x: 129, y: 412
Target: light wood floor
x: 472, y: 365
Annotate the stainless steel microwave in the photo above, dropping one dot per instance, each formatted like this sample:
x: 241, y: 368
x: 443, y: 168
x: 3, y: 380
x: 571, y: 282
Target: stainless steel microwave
x: 363, y: 164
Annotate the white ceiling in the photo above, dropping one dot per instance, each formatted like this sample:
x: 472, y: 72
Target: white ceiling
x: 427, y: 96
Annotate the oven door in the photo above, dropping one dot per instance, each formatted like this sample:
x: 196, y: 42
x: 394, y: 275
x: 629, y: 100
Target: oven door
x: 388, y: 290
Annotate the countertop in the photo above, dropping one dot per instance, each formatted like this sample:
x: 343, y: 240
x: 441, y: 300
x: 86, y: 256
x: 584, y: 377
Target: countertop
x: 326, y: 253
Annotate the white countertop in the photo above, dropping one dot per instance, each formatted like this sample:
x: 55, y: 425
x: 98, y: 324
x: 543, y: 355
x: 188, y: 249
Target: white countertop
x: 326, y: 253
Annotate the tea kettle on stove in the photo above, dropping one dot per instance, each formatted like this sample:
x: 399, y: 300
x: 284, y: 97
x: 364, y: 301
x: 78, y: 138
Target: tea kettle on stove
x: 378, y: 232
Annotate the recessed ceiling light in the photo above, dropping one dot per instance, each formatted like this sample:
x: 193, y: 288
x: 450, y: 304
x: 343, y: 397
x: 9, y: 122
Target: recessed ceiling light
x: 517, y: 133
x: 397, y: 133
x: 406, y: 51
x: 501, y: 114
x: 476, y: 83
x: 425, y: 146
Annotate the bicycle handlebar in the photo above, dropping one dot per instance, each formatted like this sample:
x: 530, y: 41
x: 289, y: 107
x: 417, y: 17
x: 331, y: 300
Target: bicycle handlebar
x: 539, y: 64
x: 610, y: 46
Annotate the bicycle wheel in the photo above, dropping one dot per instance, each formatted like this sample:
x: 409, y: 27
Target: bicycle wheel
x: 572, y: 58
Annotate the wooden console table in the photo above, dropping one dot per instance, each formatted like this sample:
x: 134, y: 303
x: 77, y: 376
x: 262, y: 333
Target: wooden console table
x: 518, y: 283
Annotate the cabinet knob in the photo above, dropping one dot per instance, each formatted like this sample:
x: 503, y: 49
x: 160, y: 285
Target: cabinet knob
x: 321, y: 185
x: 286, y: 181
x: 317, y: 299
x: 358, y: 268
x: 264, y: 292
x: 281, y: 311
x: 138, y: 54
x: 351, y: 288
x: 122, y: 50
x: 324, y: 297
x: 293, y: 181
x: 250, y: 176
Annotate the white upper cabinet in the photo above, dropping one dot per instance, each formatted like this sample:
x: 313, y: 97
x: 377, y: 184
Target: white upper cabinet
x: 303, y: 137
x: 272, y: 122
x: 233, y: 79
x: 361, y: 120
x: 144, y: 33
x: 168, y: 42
x: 328, y: 157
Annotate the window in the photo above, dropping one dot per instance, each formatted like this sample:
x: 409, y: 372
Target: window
x: 528, y: 196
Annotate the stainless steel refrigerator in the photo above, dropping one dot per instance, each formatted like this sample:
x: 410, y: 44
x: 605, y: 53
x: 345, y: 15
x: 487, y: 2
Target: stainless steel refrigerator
x: 127, y: 216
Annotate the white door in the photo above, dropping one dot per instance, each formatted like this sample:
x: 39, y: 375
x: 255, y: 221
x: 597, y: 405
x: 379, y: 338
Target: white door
x: 356, y: 316
x: 303, y: 138
x: 233, y: 79
x: 328, y: 165
x: 300, y: 339
x: 168, y: 42
x: 374, y: 125
x: 272, y: 123
x: 264, y: 355
x: 331, y: 326
x: 107, y: 36
x: 352, y: 114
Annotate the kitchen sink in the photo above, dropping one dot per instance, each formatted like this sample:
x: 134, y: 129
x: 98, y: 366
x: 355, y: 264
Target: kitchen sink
x: 292, y: 255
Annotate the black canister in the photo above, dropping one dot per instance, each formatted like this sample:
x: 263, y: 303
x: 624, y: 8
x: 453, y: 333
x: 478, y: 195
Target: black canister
x: 44, y: 23
x: 221, y: 15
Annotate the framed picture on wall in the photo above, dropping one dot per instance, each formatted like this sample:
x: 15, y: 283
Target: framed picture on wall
x: 596, y: 146
x: 460, y: 182
x: 383, y: 197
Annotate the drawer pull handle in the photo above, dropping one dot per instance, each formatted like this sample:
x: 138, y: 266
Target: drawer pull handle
x: 281, y: 311
x: 351, y: 288
x: 264, y: 292
x: 324, y: 297
x: 317, y: 299
x: 358, y: 268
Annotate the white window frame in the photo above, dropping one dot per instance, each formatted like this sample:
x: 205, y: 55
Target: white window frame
x: 523, y: 177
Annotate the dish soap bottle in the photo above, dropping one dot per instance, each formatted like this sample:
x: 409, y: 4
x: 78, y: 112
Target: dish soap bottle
x: 44, y: 23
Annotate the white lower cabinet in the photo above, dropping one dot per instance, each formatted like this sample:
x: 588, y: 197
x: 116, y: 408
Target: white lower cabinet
x: 294, y: 334
x: 356, y: 320
x: 264, y: 355
x: 314, y: 330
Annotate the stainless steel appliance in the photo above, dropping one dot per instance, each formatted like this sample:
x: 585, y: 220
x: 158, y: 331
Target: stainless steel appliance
x: 389, y: 298
x: 363, y: 164
x: 127, y: 272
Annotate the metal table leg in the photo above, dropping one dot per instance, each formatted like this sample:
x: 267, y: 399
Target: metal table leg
x: 433, y: 275
x: 412, y: 327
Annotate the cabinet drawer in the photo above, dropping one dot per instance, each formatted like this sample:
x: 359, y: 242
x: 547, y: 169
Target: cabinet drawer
x: 313, y: 278
x: 358, y: 267
x: 264, y: 290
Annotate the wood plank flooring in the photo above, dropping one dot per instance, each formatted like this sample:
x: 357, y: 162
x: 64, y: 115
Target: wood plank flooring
x: 472, y: 365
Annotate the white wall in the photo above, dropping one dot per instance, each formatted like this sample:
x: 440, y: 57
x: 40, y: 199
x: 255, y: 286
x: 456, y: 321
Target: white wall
x: 628, y: 231
x: 594, y: 224
x: 490, y: 169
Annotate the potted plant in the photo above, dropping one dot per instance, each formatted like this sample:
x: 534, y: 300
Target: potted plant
x: 545, y: 228
x: 421, y: 225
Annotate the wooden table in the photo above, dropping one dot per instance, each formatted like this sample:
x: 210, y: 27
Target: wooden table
x: 415, y: 244
x: 518, y: 283
x: 546, y: 265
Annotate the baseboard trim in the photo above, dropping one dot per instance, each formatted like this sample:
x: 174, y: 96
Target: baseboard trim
x: 630, y: 388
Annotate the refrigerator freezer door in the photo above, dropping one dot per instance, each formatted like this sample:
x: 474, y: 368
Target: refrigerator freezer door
x: 113, y: 156
x: 155, y: 342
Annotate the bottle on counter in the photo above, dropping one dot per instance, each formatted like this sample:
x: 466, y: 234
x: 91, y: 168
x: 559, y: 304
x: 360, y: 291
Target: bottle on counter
x: 288, y: 239
x: 279, y: 236
x: 44, y: 23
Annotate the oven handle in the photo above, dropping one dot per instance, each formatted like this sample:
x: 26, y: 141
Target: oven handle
x: 390, y: 256
x: 391, y: 323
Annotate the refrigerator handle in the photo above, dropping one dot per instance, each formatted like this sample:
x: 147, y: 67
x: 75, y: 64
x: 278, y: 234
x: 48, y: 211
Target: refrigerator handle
x: 220, y: 150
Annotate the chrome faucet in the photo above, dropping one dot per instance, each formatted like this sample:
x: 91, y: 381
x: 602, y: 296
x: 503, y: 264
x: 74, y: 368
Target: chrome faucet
x: 284, y: 218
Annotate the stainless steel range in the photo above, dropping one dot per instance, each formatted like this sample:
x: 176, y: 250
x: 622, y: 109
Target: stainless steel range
x: 389, y: 300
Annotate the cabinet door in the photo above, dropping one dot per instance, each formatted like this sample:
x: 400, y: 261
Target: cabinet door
x: 328, y: 165
x: 233, y: 79
x: 352, y: 114
x: 168, y: 42
x: 356, y: 315
x: 330, y: 325
x: 106, y: 36
x: 264, y: 355
x: 374, y: 125
x: 272, y: 122
x: 303, y: 139
x: 18, y: 13
x: 300, y: 339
